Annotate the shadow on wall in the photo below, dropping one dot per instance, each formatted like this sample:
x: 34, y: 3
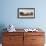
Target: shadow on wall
x: 2, y: 26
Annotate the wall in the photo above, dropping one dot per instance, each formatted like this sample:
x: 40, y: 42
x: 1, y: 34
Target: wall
x: 8, y: 13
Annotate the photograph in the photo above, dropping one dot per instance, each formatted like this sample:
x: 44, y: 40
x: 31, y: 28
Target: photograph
x: 26, y: 12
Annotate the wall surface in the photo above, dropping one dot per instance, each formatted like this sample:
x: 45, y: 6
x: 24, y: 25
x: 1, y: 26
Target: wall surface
x: 8, y: 13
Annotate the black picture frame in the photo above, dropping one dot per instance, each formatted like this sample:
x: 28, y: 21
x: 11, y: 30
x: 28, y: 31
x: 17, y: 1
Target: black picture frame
x: 26, y: 13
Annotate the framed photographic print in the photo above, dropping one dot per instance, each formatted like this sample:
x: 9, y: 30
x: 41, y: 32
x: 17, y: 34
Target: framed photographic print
x: 26, y: 12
